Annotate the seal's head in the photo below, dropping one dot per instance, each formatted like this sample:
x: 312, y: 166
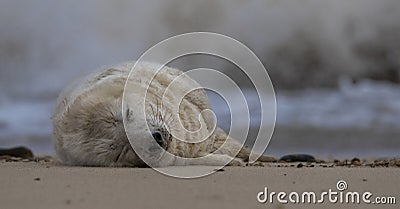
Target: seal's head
x: 147, y: 130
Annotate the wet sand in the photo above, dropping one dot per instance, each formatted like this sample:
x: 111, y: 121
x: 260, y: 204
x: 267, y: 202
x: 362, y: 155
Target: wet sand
x: 48, y: 185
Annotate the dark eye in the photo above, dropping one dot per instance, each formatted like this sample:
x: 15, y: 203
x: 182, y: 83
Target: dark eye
x: 158, y: 137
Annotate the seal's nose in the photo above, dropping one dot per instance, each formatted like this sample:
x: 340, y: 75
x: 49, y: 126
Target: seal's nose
x: 159, y: 139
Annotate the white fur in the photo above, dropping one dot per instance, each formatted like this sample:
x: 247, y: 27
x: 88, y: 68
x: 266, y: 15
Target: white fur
x: 89, y: 130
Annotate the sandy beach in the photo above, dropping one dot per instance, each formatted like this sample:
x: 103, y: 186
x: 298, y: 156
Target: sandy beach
x: 47, y: 185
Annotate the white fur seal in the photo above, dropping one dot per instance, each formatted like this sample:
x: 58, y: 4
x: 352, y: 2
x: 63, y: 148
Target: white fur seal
x: 88, y: 121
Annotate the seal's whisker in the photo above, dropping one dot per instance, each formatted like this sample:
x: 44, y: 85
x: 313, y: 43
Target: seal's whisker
x: 170, y: 119
x: 165, y: 116
x: 121, y: 153
x: 158, y: 111
x: 153, y: 112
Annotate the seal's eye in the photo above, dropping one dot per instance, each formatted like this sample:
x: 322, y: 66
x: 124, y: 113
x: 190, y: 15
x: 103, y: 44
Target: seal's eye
x: 158, y: 137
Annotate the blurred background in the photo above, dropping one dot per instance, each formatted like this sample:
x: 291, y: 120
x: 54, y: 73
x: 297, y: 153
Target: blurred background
x: 335, y: 64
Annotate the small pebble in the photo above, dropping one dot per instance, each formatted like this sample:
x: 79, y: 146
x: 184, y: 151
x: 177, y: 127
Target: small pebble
x: 37, y: 179
x: 339, y: 163
x: 356, y: 161
x: 298, y: 158
x: 299, y: 165
x: 21, y: 152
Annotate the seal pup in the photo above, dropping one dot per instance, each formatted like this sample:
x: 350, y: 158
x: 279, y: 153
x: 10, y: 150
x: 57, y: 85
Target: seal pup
x: 89, y: 121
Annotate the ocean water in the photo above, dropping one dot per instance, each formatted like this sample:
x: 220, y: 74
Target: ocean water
x: 359, y: 119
